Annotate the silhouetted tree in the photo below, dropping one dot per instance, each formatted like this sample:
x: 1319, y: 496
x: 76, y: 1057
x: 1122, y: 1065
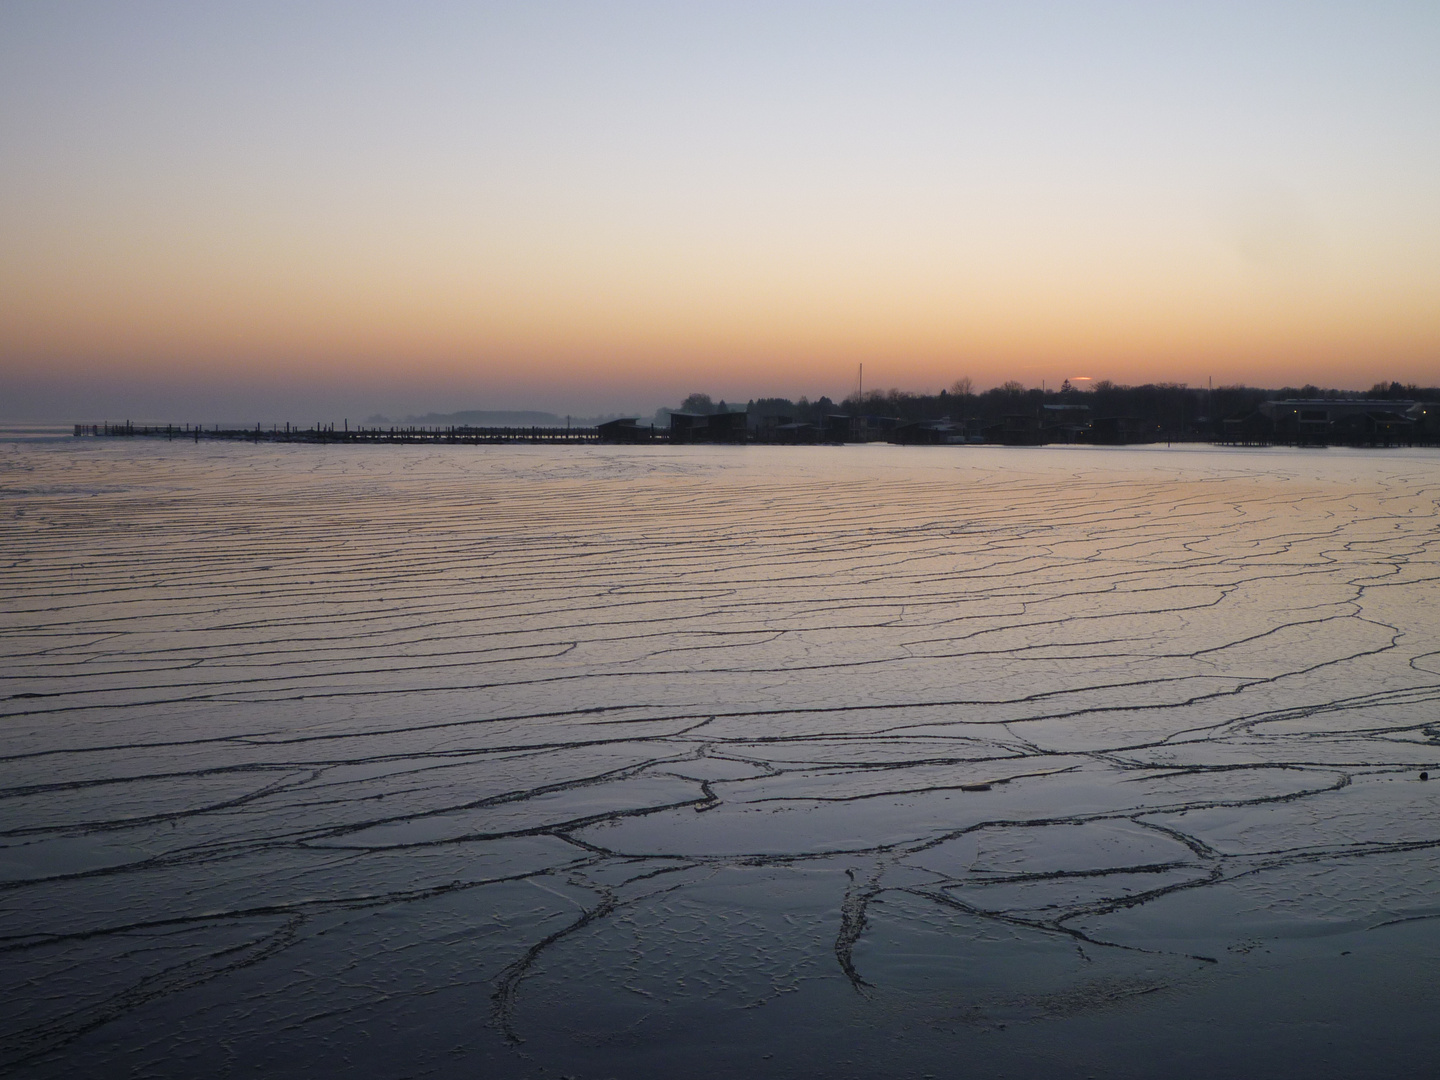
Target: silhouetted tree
x: 697, y: 403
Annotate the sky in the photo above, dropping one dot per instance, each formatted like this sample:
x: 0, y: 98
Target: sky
x: 277, y: 211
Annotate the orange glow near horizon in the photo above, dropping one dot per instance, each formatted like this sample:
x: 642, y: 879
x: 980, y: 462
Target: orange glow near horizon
x: 801, y: 329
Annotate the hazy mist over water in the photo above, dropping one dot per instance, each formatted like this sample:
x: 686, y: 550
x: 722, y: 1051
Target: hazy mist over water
x: 663, y: 761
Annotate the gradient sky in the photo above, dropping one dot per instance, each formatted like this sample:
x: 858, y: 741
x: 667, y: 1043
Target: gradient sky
x: 270, y: 211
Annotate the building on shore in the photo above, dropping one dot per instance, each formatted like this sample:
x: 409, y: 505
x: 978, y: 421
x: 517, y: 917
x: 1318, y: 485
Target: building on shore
x: 627, y: 431
x: 1348, y: 421
x: 722, y: 427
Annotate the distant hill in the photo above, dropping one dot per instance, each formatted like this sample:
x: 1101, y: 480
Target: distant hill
x: 489, y: 418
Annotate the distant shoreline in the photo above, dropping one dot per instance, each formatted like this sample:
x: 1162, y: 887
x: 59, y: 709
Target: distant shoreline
x: 634, y: 435
x: 329, y: 433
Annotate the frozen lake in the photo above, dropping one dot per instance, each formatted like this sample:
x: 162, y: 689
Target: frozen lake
x: 707, y: 762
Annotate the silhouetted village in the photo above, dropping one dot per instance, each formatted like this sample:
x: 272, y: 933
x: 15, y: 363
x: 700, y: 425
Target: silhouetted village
x: 1009, y: 415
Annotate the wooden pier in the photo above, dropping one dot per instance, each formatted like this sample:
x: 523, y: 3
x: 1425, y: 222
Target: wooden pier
x: 329, y: 433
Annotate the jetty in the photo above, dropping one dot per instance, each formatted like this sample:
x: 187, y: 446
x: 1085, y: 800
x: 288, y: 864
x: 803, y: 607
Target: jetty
x: 344, y: 433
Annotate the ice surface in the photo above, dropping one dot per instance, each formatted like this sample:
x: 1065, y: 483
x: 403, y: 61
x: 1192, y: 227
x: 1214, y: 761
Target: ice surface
x: 533, y: 761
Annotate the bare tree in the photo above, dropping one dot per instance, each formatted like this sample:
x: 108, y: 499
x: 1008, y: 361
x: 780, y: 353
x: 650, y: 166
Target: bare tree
x: 697, y: 403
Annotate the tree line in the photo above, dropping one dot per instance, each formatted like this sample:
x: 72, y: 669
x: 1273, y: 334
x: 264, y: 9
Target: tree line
x: 1175, y: 409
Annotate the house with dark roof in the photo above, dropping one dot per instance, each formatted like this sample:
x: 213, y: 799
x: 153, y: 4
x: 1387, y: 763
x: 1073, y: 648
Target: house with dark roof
x: 722, y: 427
x: 1350, y: 421
x: 628, y: 430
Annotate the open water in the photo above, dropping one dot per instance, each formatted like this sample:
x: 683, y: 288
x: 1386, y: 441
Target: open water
x: 655, y: 762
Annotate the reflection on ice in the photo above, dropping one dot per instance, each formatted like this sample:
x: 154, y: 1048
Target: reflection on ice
x: 597, y: 761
